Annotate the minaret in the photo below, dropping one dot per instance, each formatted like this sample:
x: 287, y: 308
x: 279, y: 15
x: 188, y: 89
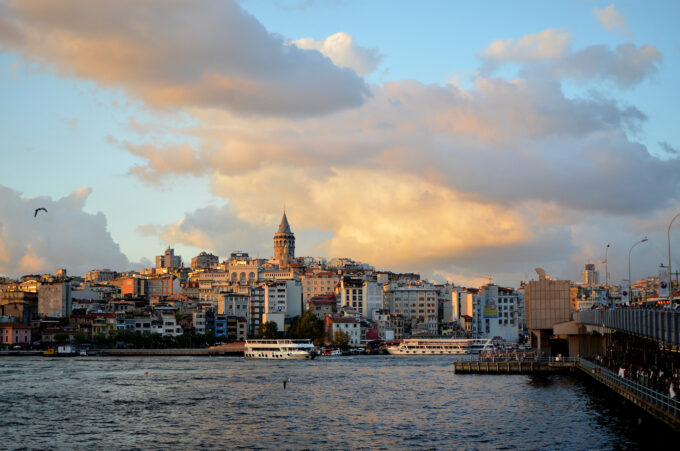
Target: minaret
x: 284, y: 243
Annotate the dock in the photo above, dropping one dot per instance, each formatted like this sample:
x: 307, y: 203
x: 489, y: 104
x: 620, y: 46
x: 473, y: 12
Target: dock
x: 229, y: 349
x: 510, y: 366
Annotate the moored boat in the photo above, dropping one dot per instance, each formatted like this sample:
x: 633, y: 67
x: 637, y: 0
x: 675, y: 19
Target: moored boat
x: 439, y: 346
x: 279, y: 349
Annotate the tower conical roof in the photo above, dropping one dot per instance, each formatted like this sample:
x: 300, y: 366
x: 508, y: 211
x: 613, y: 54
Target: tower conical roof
x: 284, y: 227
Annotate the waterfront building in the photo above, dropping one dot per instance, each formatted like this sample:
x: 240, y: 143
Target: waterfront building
x: 168, y: 259
x: 548, y: 302
x: 496, y: 313
x: 348, y: 325
x: 204, y: 260
x: 415, y: 302
x: 14, y: 334
x: 284, y: 244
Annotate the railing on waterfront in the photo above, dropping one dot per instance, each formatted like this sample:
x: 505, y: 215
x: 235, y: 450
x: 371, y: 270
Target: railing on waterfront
x: 657, y: 324
x: 662, y: 401
x: 515, y: 358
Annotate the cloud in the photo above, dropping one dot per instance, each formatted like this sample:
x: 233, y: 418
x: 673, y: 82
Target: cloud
x: 216, y: 229
x: 549, y: 54
x: 612, y: 20
x: 668, y: 148
x: 627, y: 66
x: 342, y: 50
x: 153, y: 51
x: 65, y: 237
x: 547, y: 45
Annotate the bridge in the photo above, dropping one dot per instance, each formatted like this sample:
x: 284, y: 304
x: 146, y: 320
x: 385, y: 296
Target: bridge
x: 661, y: 325
x: 655, y: 403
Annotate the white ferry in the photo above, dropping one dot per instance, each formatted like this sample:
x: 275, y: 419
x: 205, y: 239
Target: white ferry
x: 279, y: 349
x: 440, y: 346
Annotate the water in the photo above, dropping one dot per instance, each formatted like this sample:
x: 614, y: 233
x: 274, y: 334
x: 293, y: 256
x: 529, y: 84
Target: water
x: 384, y: 402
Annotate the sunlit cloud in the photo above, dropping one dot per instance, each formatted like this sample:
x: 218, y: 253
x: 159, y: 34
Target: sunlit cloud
x: 173, y: 54
x: 612, y: 20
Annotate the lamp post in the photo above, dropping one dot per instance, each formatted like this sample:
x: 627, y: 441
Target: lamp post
x: 630, y: 280
x: 670, y: 276
x: 606, y: 275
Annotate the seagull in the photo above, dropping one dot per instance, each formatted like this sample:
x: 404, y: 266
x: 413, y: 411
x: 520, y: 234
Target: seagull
x: 38, y: 209
x: 285, y: 381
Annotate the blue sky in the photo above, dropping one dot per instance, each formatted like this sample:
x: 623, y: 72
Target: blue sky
x: 68, y: 121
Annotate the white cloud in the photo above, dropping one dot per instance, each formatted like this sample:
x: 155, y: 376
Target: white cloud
x: 342, y: 50
x: 64, y: 237
x: 612, y: 20
x: 547, y: 45
x: 549, y: 55
x: 171, y: 54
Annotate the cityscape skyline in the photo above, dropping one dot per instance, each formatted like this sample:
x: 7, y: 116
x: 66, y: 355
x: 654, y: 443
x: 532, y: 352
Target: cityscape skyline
x: 506, y: 142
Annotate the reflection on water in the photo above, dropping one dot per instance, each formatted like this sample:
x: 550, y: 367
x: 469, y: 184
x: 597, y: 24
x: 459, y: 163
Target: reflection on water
x: 362, y: 402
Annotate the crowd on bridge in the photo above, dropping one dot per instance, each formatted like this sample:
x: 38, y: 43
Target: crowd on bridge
x: 661, y: 379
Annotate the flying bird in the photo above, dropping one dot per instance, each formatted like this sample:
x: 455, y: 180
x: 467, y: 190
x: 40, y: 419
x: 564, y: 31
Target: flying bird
x: 38, y: 209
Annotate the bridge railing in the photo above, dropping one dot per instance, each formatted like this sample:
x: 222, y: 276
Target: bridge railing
x: 657, y: 324
x: 659, y: 399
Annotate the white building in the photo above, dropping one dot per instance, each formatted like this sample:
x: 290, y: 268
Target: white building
x: 497, y: 313
x: 283, y: 296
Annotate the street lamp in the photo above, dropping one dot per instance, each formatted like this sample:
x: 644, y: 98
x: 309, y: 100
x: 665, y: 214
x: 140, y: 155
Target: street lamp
x: 630, y: 280
x: 606, y: 275
x: 670, y: 275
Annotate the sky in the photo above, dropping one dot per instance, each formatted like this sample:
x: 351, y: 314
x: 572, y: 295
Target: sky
x: 461, y: 140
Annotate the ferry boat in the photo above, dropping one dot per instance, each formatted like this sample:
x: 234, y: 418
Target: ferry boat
x: 440, y: 346
x: 279, y: 349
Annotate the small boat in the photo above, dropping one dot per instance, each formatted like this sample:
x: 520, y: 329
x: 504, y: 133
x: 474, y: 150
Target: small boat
x: 50, y: 352
x: 279, y: 349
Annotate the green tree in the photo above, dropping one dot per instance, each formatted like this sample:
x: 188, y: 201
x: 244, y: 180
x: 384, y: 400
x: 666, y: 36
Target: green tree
x: 79, y: 338
x: 306, y: 326
x: 100, y: 339
x: 340, y: 339
x: 268, y: 330
x: 60, y: 339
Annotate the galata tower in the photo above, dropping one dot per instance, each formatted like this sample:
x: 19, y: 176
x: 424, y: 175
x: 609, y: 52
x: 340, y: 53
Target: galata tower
x: 284, y: 243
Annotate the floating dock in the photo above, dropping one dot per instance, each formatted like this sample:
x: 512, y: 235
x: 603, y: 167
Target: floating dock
x: 514, y: 366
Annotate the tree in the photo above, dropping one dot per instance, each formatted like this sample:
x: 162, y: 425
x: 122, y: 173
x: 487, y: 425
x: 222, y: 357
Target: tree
x: 306, y: 326
x: 60, y: 339
x: 79, y: 338
x: 340, y: 339
x: 100, y: 339
x: 268, y: 330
